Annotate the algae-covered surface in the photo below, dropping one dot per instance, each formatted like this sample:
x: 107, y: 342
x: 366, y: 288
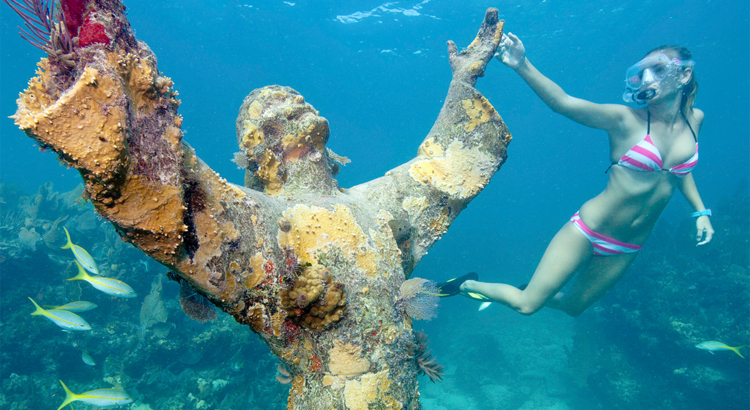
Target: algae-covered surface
x: 379, y: 72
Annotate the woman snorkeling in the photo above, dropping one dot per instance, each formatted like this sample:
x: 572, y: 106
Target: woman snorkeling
x: 653, y: 150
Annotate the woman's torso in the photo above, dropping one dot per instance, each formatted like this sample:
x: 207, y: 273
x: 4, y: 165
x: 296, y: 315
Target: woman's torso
x: 629, y: 207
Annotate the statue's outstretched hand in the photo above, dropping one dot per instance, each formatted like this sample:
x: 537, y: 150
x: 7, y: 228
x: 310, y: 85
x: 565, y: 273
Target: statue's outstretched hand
x: 469, y: 64
x: 511, y: 51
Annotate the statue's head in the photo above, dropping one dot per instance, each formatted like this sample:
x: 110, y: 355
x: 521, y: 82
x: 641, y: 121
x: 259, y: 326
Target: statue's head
x: 278, y: 131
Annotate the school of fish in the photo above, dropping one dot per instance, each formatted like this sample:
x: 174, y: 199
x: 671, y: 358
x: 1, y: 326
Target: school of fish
x: 64, y: 317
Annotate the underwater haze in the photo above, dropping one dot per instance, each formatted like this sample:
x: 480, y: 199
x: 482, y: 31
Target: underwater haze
x: 379, y: 73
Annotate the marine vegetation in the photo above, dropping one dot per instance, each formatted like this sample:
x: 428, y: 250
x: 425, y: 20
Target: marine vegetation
x: 45, y: 29
x: 418, y: 298
x: 195, y: 305
x: 427, y: 364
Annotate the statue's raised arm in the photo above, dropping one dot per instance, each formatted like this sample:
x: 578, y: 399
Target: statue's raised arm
x: 317, y: 272
x: 465, y: 147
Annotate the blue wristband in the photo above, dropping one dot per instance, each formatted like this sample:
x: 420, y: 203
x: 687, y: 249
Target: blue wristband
x: 706, y: 212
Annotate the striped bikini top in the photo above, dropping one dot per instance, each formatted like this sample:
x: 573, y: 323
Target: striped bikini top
x: 645, y: 157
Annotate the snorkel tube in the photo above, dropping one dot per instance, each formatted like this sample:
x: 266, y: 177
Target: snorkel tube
x: 638, y: 97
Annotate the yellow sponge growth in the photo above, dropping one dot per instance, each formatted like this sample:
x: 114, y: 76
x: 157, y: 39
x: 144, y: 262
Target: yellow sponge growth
x: 315, y: 301
x: 458, y: 172
x: 479, y: 110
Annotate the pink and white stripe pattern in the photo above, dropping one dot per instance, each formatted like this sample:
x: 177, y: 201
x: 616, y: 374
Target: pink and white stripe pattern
x: 687, y: 166
x: 645, y: 157
x: 603, y: 245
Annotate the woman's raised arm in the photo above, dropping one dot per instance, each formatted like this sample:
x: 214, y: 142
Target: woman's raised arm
x: 512, y: 53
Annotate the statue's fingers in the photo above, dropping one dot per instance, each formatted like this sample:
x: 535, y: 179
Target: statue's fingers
x: 491, y: 17
x: 452, y: 50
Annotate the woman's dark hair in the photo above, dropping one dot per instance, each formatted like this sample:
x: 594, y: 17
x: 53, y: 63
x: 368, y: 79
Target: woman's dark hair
x: 690, y: 90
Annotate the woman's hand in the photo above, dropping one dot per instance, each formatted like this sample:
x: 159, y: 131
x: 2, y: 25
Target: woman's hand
x: 511, y: 51
x: 703, y: 223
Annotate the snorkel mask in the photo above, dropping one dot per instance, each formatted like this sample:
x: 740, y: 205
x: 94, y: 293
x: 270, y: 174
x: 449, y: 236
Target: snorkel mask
x: 647, y: 71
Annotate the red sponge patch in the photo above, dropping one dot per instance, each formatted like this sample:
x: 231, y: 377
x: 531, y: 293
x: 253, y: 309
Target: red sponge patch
x: 92, y: 33
x: 74, y: 11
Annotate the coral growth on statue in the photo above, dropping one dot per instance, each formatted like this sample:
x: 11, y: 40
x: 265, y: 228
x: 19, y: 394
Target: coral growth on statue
x: 311, y: 268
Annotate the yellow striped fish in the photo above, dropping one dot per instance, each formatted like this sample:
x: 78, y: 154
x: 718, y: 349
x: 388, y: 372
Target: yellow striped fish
x: 100, y: 397
x: 713, y: 346
x: 109, y: 286
x: 63, y: 318
x: 79, y: 306
x: 86, y: 357
x: 81, y: 255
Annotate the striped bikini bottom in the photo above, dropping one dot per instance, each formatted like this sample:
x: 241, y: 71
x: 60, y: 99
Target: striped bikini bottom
x: 603, y: 245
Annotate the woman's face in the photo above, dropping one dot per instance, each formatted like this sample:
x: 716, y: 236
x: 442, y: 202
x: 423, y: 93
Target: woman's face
x: 665, y: 78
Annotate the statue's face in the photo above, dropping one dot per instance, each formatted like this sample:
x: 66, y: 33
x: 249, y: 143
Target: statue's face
x: 278, y: 119
x: 276, y: 128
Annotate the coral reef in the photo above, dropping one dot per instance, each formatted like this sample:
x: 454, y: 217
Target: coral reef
x: 309, y: 267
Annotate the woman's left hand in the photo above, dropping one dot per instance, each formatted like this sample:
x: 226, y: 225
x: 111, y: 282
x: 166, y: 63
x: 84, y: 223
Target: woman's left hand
x: 703, y: 223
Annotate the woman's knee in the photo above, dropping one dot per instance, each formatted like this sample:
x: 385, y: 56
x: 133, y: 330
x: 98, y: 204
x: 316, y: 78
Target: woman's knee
x: 528, y: 308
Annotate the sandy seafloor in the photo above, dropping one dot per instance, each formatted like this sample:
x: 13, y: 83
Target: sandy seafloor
x: 379, y: 72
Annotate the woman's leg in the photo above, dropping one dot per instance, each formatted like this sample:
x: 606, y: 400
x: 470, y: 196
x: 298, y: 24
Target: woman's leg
x: 592, y: 282
x: 568, y: 252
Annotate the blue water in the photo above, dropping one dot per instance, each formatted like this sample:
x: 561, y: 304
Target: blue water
x: 380, y: 80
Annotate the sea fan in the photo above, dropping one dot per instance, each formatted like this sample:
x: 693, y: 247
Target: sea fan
x: 45, y: 30
x: 427, y: 364
x: 418, y: 298
x: 195, y: 305
x: 38, y: 16
x: 153, y: 310
x: 241, y: 160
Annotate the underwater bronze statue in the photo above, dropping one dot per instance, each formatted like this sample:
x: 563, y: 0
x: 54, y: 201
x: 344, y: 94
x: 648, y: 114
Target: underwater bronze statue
x: 313, y: 269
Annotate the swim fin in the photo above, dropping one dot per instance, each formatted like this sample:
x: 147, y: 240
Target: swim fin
x: 477, y: 296
x: 452, y: 287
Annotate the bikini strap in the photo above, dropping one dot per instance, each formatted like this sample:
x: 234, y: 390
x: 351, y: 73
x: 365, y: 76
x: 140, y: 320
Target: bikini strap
x: 695, y: 137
